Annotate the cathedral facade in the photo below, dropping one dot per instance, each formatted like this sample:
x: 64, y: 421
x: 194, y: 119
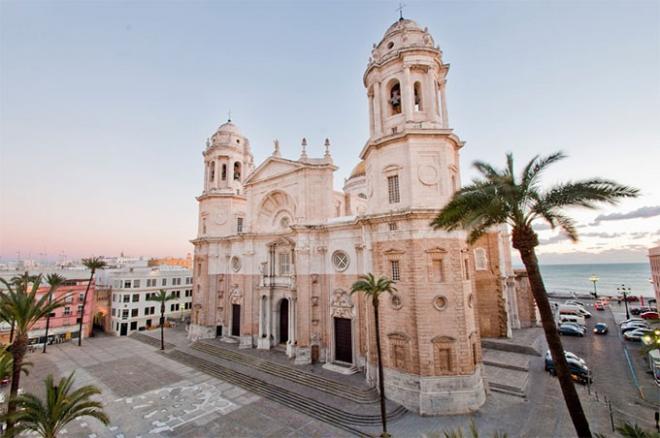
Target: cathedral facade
x: 278, y: 248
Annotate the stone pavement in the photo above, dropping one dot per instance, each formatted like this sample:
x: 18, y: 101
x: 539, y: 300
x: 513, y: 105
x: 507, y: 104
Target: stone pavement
x: 147, y: 394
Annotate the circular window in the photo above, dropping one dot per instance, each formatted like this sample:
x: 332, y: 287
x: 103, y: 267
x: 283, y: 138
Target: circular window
x: 236, y: 263
x: 440, y: 302
x: 390, y: 44
x: 340, y: 260
x: 396, y: 302
x: 284, y: 222
x: 238, y: 141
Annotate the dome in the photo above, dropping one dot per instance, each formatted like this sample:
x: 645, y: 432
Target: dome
x: 228, y: 128
x: 359, y: 170
x: 402, y: 24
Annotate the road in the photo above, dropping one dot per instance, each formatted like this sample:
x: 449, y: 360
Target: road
x: 633, y: 392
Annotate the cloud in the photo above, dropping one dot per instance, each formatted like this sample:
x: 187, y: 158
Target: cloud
x: 643, y: 212
x: 542, y: 226
x: 553, y: 239
x: 603, y: 235
x: 622, y: 255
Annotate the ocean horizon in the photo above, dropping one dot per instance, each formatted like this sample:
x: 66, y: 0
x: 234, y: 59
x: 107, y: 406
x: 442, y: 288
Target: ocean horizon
x: 576, y: 278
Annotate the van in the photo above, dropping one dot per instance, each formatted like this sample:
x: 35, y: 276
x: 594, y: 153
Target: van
x: 654, y: 365
x: 571, y: 318
x: 577, y: 310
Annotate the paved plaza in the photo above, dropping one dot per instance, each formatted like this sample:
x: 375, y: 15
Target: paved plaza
x: 148, y: 394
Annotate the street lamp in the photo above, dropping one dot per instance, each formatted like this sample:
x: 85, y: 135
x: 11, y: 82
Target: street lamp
x: 594, y: 280
x: 625, y: 291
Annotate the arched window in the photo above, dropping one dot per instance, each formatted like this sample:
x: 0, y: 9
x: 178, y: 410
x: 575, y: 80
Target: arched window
x: 237, y: 171
x: 212, y: 171
x: 395, y: 98
x: 417, y: 89
x: 224, y: 172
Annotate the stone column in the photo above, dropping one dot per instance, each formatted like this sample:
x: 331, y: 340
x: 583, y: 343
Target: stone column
x: 445, y: 120
x: 291, y: 342
x: 269, y: 316
x: 433, y: 109
x: 378, y: 115
x: 407, y: 95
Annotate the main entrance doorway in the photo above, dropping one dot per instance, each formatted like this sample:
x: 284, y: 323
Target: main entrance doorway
x: 284, y: 321
x: 343, y: 340
x: 235, y: 319
x: 124, y: 329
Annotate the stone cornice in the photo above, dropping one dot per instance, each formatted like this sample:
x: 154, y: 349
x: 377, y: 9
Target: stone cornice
x: 395, y: 138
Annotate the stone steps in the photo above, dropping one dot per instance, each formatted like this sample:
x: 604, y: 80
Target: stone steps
x: 306, y: 405
x: 320, y: 383
x: 509, y: 360
x: 507, y: 380
x: 154, y: 342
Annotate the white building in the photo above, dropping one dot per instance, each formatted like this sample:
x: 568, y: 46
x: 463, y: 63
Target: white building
x: 131, y: 310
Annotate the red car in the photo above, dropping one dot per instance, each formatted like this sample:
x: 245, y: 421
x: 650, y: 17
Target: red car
x: 599, y: 306
x: 650, y: 315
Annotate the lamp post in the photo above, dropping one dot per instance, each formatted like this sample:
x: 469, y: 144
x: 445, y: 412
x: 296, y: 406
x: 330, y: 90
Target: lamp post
x: 594, y: 280
x: 625, y: 291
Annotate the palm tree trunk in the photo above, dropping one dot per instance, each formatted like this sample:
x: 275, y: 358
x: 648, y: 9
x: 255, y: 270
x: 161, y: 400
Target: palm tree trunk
x: 11, y: 333
x: 571, y: 397
x: 18, y: 353
x: 82, y: 317
x: 381, y: 382
x: 162, y: 324
x: 50, y: 298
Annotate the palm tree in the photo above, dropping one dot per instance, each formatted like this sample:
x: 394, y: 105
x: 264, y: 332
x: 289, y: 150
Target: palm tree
x: 161, y: 297
x: 373, y: 288
x: 26, y: 279
x: 500, y: 197
x: 19, y: 304
x: 92, y: 263
x: 60, y: 407
x: 54, y: 281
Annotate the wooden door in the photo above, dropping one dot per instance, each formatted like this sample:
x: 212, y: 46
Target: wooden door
x: 235, y: 319
x: 284, y: 321
x: 343, y: 340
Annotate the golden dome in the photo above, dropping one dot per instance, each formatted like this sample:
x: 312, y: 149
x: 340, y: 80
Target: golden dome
x: 359, y: 170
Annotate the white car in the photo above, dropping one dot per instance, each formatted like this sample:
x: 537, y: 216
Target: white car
x: 569, y: 355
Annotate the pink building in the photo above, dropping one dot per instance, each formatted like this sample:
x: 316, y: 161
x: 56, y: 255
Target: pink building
x: 64, y: 322
x: 654, y: 259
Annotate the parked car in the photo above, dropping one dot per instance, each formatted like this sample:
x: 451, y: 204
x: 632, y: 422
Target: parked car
x: 633, y: 319
x: 574, y: 303
x: 633, y: 325
x: 599, y: 306
x: 636, y: 335
x: 600, y: 328
x: 629, y: 298
x: 579, y: 371
x: 568, y: 354
x: 570, y: 330
x: 576, y: 325
x: 650, y: 315
x: 635, y: 311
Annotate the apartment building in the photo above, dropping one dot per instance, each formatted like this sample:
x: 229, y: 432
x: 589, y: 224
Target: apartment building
x: 131, y: 287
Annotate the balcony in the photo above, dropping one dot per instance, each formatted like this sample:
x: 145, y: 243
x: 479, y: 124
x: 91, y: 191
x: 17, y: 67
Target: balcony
x: 284, y: 281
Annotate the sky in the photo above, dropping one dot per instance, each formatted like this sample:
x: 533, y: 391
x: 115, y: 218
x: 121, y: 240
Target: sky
x: 105, y: 107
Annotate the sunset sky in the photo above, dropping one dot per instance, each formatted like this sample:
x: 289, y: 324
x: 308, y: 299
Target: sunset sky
x: 105, y: 107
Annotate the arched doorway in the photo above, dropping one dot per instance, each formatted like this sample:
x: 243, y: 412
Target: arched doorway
x: 284, y: 321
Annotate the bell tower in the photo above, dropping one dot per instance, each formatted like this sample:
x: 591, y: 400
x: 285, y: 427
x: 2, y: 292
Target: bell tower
x: 411, y: 155
x: 432, y: 363
x: 227, y: 161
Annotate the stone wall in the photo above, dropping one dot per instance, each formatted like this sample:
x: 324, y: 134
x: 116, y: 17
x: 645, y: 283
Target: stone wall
x: 526, y: 304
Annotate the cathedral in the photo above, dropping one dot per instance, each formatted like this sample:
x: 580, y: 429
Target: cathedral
x: 278, y: 248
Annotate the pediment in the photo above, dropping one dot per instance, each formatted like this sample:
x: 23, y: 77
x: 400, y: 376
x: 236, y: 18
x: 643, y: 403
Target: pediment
x: 272, y: 167
x: 436, y: 250
x: 393, y: 251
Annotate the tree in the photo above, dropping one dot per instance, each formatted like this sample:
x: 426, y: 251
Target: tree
x: 54, y: 281
x: 19, y: 304
x: 161, y: 297
x: 92, y: 264
x: 373, y: 288
x: 60, y: 407
x: 26, y: 279
x: 500, y: 197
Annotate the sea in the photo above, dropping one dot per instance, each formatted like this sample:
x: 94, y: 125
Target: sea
x: 576, y: 278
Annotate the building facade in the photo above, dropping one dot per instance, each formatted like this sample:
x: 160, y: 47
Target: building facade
x: 130, y: 288
x: 64, y: 321
x: 654, y: 260
x: 278, y: 248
